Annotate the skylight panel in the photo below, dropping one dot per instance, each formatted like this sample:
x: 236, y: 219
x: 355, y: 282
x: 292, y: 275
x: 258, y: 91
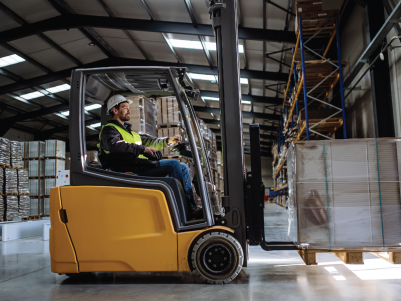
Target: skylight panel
x: 246, y: 102
x: 210, y: 98
x: 92, y: 107
x: 244, y: 81
x: 186, y: 44
x: 65, y: 113
x: 10, y: 60
x: 59, y: 88
x: 32, y: 95
x: 202, y: 76
x: 96, y: 125
x: 197, y: 45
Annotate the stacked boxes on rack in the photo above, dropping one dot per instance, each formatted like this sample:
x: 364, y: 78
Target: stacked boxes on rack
x: 143, y: 115
x: 54, y: 162
x: 36, y: 165
x: 14, y: 199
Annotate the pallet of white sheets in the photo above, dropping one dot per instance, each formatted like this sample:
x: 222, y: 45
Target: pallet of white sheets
x: 345, y: 194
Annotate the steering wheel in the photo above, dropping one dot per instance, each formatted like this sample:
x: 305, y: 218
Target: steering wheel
x: 179, y: 146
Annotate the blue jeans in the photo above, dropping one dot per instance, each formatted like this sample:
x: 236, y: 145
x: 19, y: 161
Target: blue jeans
x: 177, y: 170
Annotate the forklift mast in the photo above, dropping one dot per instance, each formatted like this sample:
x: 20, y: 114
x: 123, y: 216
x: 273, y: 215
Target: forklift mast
x: 225, y: 25
x: 243, y: 194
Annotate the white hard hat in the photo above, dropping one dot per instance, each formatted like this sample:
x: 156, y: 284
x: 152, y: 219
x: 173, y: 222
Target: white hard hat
x: 115, y: 100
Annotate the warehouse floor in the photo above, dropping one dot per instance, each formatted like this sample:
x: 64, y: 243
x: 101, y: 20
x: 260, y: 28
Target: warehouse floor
x: 25, y: 275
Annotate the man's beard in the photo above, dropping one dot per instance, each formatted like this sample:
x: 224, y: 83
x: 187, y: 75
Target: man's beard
x: 125, y: 118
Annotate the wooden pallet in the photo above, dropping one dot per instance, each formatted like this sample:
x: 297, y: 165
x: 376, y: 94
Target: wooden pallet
x: 349, y: 256
x: 34, y: 217
x: 5, y: 166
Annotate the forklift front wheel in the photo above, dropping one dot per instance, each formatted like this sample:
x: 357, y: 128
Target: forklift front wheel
x: 217, y: 257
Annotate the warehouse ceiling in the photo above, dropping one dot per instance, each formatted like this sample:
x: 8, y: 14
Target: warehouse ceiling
x: 41, y: 41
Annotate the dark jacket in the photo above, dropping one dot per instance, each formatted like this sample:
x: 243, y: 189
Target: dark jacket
x: 112, y: 141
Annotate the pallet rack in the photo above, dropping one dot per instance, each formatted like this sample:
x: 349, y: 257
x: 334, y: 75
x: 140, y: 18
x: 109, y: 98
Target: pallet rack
x: 307, y: 112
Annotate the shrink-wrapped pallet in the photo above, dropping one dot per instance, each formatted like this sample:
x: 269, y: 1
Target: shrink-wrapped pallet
x: 143, y: 115
x: 345, y: 194
x: 36, y: 187
x: 49, y: 183
x: 46, y: 206
x: 68, y: 161
x: 1, y: 180
x: 35, y: 206
x: 24, y: 149
x: 5, y: 158
x: 23, y: 181
x: 16, y: 155
x: 11, y: 204
x: 52, y: 166
x: 36, y: 150
x: 10, y: 181
x: 36, y: 168
x: 2, y: 207
x: 55, y: 149
x: 168, y: 111
x: 24, y: 206
x: 90, y: 156
x: 169, y: 132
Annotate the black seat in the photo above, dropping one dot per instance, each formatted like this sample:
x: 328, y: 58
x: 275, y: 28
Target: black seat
x: 179, y: 193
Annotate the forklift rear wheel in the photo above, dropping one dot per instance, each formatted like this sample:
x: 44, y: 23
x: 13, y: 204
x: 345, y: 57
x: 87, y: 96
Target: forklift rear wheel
x: 217, y: 257
x: 78, y: 275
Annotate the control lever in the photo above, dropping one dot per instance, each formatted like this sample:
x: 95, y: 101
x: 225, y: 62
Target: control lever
x: 157, y: 157
x: 181, y: 149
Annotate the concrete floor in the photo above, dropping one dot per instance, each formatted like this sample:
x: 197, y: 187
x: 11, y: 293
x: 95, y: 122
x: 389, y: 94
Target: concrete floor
x: 281, y: 275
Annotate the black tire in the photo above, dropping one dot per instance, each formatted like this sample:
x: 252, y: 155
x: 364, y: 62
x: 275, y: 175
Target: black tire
x: 78, y: 275
x: 217, y: 257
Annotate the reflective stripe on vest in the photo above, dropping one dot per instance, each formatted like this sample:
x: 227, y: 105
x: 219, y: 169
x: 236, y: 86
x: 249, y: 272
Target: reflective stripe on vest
x: 127, y: 137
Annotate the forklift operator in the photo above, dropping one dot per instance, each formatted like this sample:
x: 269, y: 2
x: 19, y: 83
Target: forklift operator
x: 116, y: 136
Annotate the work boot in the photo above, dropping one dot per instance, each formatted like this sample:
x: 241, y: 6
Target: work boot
x: 197, y: 213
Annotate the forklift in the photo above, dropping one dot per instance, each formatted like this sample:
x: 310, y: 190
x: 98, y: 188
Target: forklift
x: 113, y: 221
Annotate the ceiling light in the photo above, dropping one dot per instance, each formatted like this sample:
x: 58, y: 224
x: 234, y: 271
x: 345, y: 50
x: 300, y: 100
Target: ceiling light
x: 32, y: 95
x: 92, y: 44
x: 246, y: 102
x: 210, y: 98
x: 10, y: 60
x: 197, y: 45
x: 59, y: 88
x: 92, y: 107
x: 65, y: 113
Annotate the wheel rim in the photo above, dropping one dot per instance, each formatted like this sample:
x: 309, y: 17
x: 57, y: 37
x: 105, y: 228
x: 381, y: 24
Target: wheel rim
x: 217, y: 258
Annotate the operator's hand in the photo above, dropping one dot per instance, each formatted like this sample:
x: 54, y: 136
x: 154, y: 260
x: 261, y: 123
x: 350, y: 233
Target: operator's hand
x: 175, y: 139
x: 150, y: 150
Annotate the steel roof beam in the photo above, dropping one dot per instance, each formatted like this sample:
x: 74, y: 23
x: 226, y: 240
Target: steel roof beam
x: 43, y: 135
x: 59, y: 75
x: 244, y: 114
x: 251, y: 98
x: 68, y: 13
x: 68, y: 21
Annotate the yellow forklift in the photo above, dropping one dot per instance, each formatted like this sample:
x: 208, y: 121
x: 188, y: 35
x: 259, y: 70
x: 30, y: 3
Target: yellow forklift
x: 109, y: 221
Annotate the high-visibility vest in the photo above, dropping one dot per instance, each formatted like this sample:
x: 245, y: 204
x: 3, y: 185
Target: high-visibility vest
x: 127, y: 137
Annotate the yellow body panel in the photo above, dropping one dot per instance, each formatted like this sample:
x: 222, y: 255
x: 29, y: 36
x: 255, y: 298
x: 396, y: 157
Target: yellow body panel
x: 116, y: 229
x: 185, y: 240
x: 120, y: 229
x: 62, y: 253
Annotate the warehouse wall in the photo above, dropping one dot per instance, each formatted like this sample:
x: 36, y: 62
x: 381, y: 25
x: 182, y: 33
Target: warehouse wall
x: 266, y: 170
x: 359, y: 107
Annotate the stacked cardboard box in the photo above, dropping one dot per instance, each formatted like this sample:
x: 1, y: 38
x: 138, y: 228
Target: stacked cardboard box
x: 168, y: 112
x: 345, y: 194
x: 312, y: 11
x: 143, y: 115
